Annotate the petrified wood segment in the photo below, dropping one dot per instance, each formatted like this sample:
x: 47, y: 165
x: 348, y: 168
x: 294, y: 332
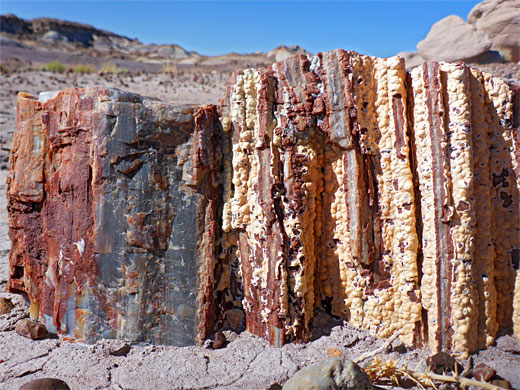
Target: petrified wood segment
x: 469, y: 198
x: 340, y: 181
x: 114, y: 215
x: 323, y: 195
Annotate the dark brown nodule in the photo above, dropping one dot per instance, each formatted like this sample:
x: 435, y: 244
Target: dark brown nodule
x: 483, y: 372
x: 442, y: 362
x: 219, y: 340
x: 31, y: 329
x: 46, y: 384
x: 123, y: 351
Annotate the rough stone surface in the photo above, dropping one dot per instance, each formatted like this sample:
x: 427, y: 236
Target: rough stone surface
x: 31, y: 329
x: 247, y: 362
x: 500, y: 20
x: 45, y: 384
x: 113, y: 215
x: 452, y: 39
x: 331, y: 374
x: 20, y: 311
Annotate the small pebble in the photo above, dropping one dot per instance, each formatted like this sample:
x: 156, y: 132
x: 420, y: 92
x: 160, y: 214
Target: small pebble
x: 31, y: 329
x: 334, y: 352
x: 482, y: 372
x: 219, y: 340
x: 45, y: 384
x: 442, y: 362
x: 123, y: 351
x: 6, y: 305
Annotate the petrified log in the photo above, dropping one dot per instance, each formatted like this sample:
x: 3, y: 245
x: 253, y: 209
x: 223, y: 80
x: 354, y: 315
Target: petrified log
x: 114, y: 215
x: 323, y: 195
x: 354, y: 183
x: 390, y: 199
x: 470, y: 206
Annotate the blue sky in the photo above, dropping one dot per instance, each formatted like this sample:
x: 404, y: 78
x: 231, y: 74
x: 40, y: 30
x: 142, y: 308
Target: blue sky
x: 381, y: 28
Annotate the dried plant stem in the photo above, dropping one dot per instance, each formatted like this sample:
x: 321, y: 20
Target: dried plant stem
x: 377, y: 350
x: 387, y: 372
x: 461, y: 380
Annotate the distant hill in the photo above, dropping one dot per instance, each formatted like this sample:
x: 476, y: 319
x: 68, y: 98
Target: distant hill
x: 43, y: 39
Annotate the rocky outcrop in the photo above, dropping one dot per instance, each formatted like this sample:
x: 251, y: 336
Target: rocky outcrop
x: 114, y: 215
x: 490, y: 35
x: 500, y: 20
x: 61, y: 35
x: 390, y: 199
x: 452, y: 39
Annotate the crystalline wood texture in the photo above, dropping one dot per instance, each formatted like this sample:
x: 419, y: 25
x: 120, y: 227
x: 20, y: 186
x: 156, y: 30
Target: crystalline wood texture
x: 322, y: 195
x: 469, y: 199
x: 113, y: 215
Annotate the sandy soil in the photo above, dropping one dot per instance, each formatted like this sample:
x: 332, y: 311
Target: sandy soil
x: 246, y: 362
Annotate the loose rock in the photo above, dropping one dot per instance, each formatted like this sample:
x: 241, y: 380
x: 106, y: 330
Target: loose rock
x: 122, y: 351
x: 442, y: 362
x: 31, y: 329
x: 219, y: 340
x: 334, y: 352
x: 46, y: 384
x: 483, y: 372
x: 334, y: 373
x: 6, y: 305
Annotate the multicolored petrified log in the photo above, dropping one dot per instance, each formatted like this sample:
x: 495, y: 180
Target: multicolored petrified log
x: 114, y: 215
x: 390, y: 199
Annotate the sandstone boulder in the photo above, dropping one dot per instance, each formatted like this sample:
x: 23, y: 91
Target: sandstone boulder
x: 500, y: 20
x: 452, y: 39
x: 331, y: 374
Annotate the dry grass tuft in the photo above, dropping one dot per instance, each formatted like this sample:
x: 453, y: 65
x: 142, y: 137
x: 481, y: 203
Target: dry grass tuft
x: 389, y: 373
